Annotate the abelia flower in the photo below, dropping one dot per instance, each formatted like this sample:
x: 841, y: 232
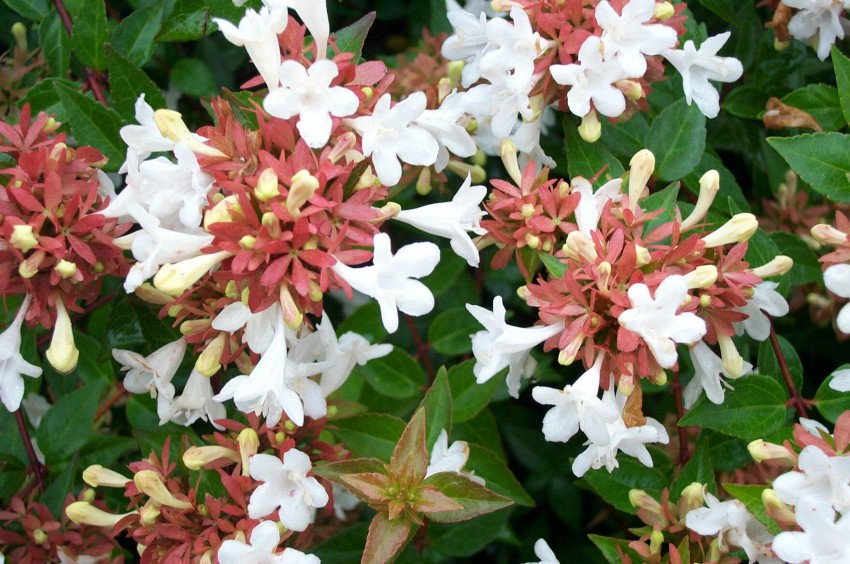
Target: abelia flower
x: 840, y: 381
x: 445, y: 458
x: 836, y: 278
x: 591, y: 204
x: 444, y: 126
x: 592, y: 80
x: 286, y: 489
x: 708, y: 368
x: 152, y: 374
x: 196, y: 402
x: 544, y: 553
x: 314, y: 14
x: 818, y: 20
x: 765, y: 300
x: 823, y: 539
x: 265, y: 540
x: 145, y: 138
x: 12, y: 364
x: 469, y: 42
x: 257, y: 32
x: 822, y: 477
x: 513, y: 47
x: 628, y: 36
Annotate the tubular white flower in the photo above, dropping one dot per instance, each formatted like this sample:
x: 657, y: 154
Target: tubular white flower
x: 822, y: 477
x: 262, y: 549
x: 12, y: 364
x: 765, y: 300
x: 708, y: 367
x: 443, y: 125
x: 513, y: 47
x: 628, y: 37
x: 196, y: 402
x: 592, y: 79
x: 544, y: 553
x: 258, y: 32
x: 822, y: 540
x: 145, y: 138
x: 840, y: 381
x: 152, y: 374
x: 591, y: 204
x: 314, y: 14
x: 445, y: 458
x: 837, y: 280
x: 739, y: 228
x: 818, y: 20
x: 174, y: 279
x: 391, y: 278
x: 469, y: 42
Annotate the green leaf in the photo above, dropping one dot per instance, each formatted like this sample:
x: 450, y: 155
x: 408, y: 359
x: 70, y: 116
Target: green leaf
x: 821, y: 159
x: 90, y: 32
x: 768, y: 365
x: 750, y: 496
x: 92, y: 124
x: 469, y: 537
x: 831, y: 403
x: 438, y: 408
x: 588, y: 159
x: 755, y: 408
x: 842, y: 78
x: 677, y: 139
x: 193, y: 77
x: 126, y: 82
x: 372, y: 435
x: 625, y: 138
x: 726, y: 9
x: 497, y: 476
x: 345, y: 546
x: 61, y: 480
x: 449, y: 333
x: 475, y: 498
x: 468, y: 396
x: 332, y: 471
x: 609, y: 546
x: 30, y: 9
x: 698, y: 469
x: 396, y: 375
x: 350, y: 39
x: 67, y: 425
x: 135, y: 36
x: 806, y: 266
x: 386, y: 538
x: 55, y: 44
x: 43, y: 97
x: 554, y: 265
x: 747, y: 101
x: 410, y: 456
x: 192, y: 19
x: 366, y: 321
x: 821, y: 102
x: 614, y: 487
x: 663, y: 200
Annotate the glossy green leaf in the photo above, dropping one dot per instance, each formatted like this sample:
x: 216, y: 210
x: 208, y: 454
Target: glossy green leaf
x: 350, y: 39
x: 821, y: 159
x: 589, y: 159
x: 192, y: 19
x: 612, y: 549
x: 821, y: 102
x: 768, y: 365
x: 677, y: 139
x: 396, y: 375
x: 614, y: 487
x: 450, y: 332
x: 90, y: 32
x: 134, y: 36
x: 469, y: 537
x: 334, y: 470
x: 55, y: 44
x: 831, y: 403
x: 746, y: 101
x: 663, y: 201
x: 806, y: 268
x: 497, y: 476
x: 754, y: 409
x: 842, y: 77
x: 475, y: 498
x: 698, y: 469
x: 468, y: 396
x: 92, y: 124
x: 372, y: 435
x: 438, y: 408
x: 554, y: 265
x: 127, y: 81
x: 193, y: 77
x: 67, y: 425
x: 30, y: 9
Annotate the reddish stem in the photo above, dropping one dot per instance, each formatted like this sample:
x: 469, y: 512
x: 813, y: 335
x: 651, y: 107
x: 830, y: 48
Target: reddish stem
x: 684, y: 449
x: 120, y: 392
x: 36, y: 466
x: 421, y: 349
x: 91, y: 78
x: 796, y: 399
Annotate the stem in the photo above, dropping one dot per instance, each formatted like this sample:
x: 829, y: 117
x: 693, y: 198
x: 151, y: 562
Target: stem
x: 91, y: 78
x: 796, y: 399
x: 421, y: 349
x: 684, y: 449
x: 113, y: 399
x: 36, y: 466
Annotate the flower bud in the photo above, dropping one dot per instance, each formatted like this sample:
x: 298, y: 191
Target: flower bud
x: 738, y: 229
x: 65, y: 269
x: 62, y: 353
x: 455, y: 70
x: 776, y: 509
x: 642, y: 166
x: 423, y: 183
x: 580, y: 247
x: 733, y: 362
x: 642, y: 256
x: 444, y: 88
x: 84, y: 513
x: 656, y: 540
x: 777, y: 267
x: 533, y: 241
x: 209, y: 361
x: 701, y: 277
x: 149, y: 513
x: 39, y: 536
x: 344, y: 143
x: 389, y: 211
x: 292, y: 315
x: 693, y: 497
x: 664, y: 11
x: 220, y: 212
x: 30, y: 266
x: 267, y: 186
x: 19, y: 32
x: 631, y: 88
x: 527, y: 210
x: 709, y: 186
x: 304, y: 185
x: 171, y: 125
x: 462, y: 169
x: 590, y: 129
x: 761, y: 451
x: 174, y: 279
x: 97, y: 476
x: 22, y: 237
x: 249, y: 444
x: 828, y: 235
x: 642, y: 500
x: 367, y: 180
x: 196, y: 457
x: 508, y: 152
x: 149, y: 483
x: 626, y: 385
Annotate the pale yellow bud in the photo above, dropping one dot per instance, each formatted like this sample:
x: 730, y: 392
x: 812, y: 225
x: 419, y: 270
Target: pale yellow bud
x: 642, y: 166
x: 479, y: 158
x: 304, y: 185
x: 209, y: 361
x: 527, y: 210
x: 206, y: 558
x: 738, y: 229
x: 642, y: 500
x: 664, y: 11
x: 65, y: 269
x: 780, y: 45
x: 151, y: 295
x: 220, y: 213
x: 761, y: 451
x: 522, y: 292
x: 590, y: 129
x: 709, y: 185
x: 508, y: 152
x: 292, y: 315
x: 626, y: 385
x: 344, y: 143
x: 693, y: 496
x: 701, y: 277
x: 171, y: 125
x: 631, y: 88
x: 84, y: 513
x: 19, y: 32
x: 62, y: 353
x: 22, y: 238
x: 30, y: 266
x: 444, y: 88
x: 828, y: 235
x: 580, y: 247
x: 656, y: 541
x: 533, y: 241
x: 247, y: 242
x: 733, y: 362
x: 149, y: 483
x: 367, y: 180
x: 174, y: 279
x: 272, y: 224
x: 775, y: 508
x: 423, y: 183
x: 39, y: 536
x: 249, y: 444
x: 643, y: 256
x: 462, y: 169
x: 777, y: 267
x: 369, y: 92
x: 196, y: 457
x: 267, y: 186
x: 705, y: 300
x: 149, y: 513
x: 97, y: 476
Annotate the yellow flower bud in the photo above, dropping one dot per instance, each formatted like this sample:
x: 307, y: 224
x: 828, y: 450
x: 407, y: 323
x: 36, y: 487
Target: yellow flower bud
x: 733, y: 362
x: 249, y: 444
x: 65, y: 269
x: 292, y: 316
x: 693, y: 496
x: 267, y: 186
x: 220, y: 212
x: 664, y: 11
x: 171, y: 125
x: 590, y: 129
x: 196, y: 457
x: 777, y: 267
x: 761, y: 451
x: 701, y: 277
x: 642, y: 166
x: 30, y: 266
x: 19, y: 32
x: 84, y: 513
x: 62, y: 353
x: 209, y: 361
x: 738, y: 229
x: 22, y: 238
x: 174, y: 279
x: 709, y: 185
x: 96, y: 476
x: 508, y: 152
x: 149, y: 483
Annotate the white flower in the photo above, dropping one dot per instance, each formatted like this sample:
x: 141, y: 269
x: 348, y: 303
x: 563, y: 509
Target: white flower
x: 314, y: 14
x: 765, y: 300
x: 817, y: 19
x: 196, y: 402
x: 391, y: 278
x: 152, y: 374
x: 576, y: 407
x: 591, y: 204
x: 443, y: 125
x: 145, y: 138
x: 631, y: 440
x: 708, y: 367
x: 390, y: 134
x: 36, y: 407
x: 656, y: 321
x: 823, y: 540
x: 502, y: 346
x: 500, y: 101
x: 445, y: 458
x: 287, y: 488
x: 544, y: 553
x: 826, y: 478
x: 697, y: 67
x: 628, y: 37
x: 840, y: 380
x: 265, y: 539
x: 734, y: 527
x: 453, y: 219
x: 514, y: 47
x: 592, y: 79
x: 837, y: 280
x: 237, y: 315
x: 308, y: 94
x: 12, y: 364
x: 469, y: 42
x: 344, y: 502
x: 258, y: 32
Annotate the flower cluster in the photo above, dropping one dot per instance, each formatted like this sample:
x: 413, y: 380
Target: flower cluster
x: 818, y: 22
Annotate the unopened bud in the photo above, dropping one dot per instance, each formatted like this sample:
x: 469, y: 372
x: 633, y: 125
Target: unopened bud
x: 98, y: 476
x: 508, y: 152
x: 479, y: 159
x: 701, y: 277
x: 19, y: 32
x: 221, y: 211
x: 776, y: 509
x: 423, y: 183
x: 733, y: 362
x: 84, y: 513
x: 780, y: 45
x: 149, y: 513
x: 590, y: 129
x: 149, y: 483
x: 533, y: 241
x: 693, y: 496
x: 171, y: 125
x: 174, y: 279
x: 29, y: 267
x: 462, y: 169
x: 22, y: 237
x: 642, y: 500
x: 522, y: 292
x: 247, y: 242
x: 580, y: 247
x: 642, y: 166
x: 626, y: 385
x: 738, y: 229
x: 631, y: 88
x: 65, y: 269
x: 828, y: 235
x: 272, y: 224
x: 642, y: 256
x: 656, y: 540
x: 267, y: 186
x: 292, y: 315
x: 664, y: 11
x: 279, y: 437
x: 777, y: 267
x: 368, y: 92
x: 249, y: 444
x: 62, y: 353
x: 761, y: 451
x: 304, y: 185
x: 209, y: 361
x: 344, y: 143
x: 206, y: 558
x: 314, y: 292
x: 196, y: 457
x: 444, y: 88
x: 709, y: 185
x: 705, y: 300
x: 527, y: 210
x: 367, y: 180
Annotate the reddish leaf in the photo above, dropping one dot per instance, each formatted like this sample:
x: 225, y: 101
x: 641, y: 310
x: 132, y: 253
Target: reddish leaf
x: 369, y: 487
x: 433, y: 501
x: 335, y: 470
x: 410, y: 457
x: 386, y: 539
x: 474, y: 498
